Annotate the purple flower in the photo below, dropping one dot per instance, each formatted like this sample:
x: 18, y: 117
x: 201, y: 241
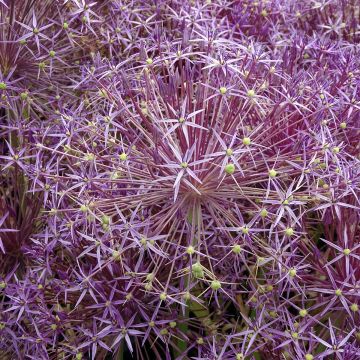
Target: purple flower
x: 179, y: 180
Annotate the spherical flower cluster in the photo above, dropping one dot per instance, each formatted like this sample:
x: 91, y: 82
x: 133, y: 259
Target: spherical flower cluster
x: 179, y: 179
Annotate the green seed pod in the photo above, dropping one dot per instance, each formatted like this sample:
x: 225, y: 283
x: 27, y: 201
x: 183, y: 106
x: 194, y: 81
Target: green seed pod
x: 236, y: 249
x: 197, y: 270
x: 215, y: 285
x: 230, y: 168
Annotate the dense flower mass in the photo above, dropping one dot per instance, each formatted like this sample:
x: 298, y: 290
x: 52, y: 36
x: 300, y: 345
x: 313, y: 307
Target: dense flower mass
x: 180, y: 179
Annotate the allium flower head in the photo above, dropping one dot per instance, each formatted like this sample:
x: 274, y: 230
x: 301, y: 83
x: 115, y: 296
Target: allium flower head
x: 179, y: 179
